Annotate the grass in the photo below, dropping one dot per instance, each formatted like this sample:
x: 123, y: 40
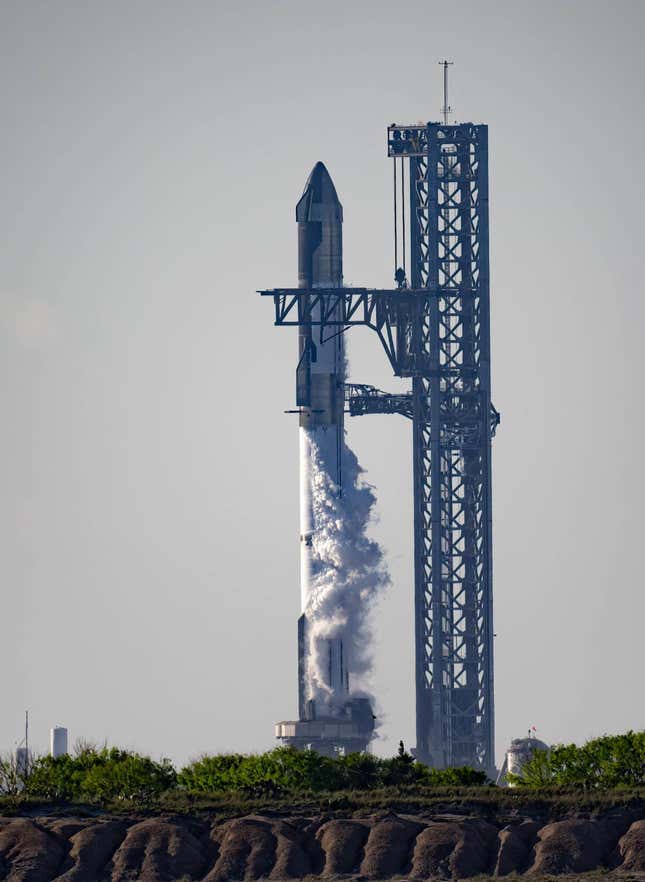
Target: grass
x: 482, y: 801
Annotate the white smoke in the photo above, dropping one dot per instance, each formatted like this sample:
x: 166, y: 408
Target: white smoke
x: 348, y: 572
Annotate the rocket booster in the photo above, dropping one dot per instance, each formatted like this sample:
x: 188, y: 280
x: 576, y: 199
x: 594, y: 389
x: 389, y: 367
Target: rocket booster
x: 320, y: 395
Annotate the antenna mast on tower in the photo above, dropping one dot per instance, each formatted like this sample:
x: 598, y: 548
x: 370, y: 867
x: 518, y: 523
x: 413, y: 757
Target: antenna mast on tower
x: 446, y: 109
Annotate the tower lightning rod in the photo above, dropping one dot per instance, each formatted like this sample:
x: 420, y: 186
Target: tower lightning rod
x: 446, y: 109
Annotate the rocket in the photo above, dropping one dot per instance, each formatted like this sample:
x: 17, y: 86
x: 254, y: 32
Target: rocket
x: 320, y: 397
x: 331, y: 720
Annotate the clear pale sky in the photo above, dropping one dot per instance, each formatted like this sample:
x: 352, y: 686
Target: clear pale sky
x: 151, y: 157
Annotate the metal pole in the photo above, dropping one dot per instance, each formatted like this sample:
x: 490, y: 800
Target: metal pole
x: 403, y: 212
x: 396, y: 234
x: 446, y: 109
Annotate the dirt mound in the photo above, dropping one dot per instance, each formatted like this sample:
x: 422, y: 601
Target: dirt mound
x: 90, y: 851
x: 475, y: 852
x: 342, y: 843
x: 388, y: 847
x: 165, y: 849
x: 572, y: 846
x: 433, y: 849
x: 157, y: 851
x: 65, y: 828
x: 454, y: 849
x: 631, y: 849
x: 292, y: 856
x: 247, y: 850
x: 515, y: 844
x: 28, y: 853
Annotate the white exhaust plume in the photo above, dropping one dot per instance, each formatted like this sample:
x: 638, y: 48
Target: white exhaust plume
x: 347, y: 574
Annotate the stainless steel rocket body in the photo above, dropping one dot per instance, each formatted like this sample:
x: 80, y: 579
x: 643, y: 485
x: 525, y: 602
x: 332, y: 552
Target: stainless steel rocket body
x: 329, y: 721
x: 320, y: 397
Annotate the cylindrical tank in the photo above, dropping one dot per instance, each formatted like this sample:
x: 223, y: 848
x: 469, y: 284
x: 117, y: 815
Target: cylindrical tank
x: 520, y: 752
x: 58, y: 741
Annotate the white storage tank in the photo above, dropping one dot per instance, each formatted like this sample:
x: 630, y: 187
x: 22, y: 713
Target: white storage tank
x: 518, y: 754
x: 58, y: 741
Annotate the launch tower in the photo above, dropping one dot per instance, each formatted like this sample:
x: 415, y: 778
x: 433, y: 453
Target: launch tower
x: 434, y: 328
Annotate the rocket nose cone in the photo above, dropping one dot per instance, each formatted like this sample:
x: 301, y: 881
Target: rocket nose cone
x: 321, y: 186
x: 319, y: 191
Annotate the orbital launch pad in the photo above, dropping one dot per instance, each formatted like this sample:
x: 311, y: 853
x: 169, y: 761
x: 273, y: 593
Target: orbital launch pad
x: 434, y: 329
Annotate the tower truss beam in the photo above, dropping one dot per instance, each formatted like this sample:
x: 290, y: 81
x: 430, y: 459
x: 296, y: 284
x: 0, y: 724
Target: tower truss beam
x: 361, y: 399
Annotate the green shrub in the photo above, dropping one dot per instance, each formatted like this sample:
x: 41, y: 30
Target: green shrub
x: 603, y: 763
x: 111, y: 775
x: 100, y: 776
x: 279, y: 770
x: 286, y: 770
x: 357, y: 771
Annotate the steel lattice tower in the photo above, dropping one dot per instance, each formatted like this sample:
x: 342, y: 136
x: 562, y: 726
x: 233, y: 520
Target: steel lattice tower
x: 436, y: 331
x: 452, y: 426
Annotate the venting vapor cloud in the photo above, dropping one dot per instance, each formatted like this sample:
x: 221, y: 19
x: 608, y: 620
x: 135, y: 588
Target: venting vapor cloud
x: 348, y: 572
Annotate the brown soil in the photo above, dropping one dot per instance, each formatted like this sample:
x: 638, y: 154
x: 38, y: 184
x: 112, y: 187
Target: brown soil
x: 383, y: 846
